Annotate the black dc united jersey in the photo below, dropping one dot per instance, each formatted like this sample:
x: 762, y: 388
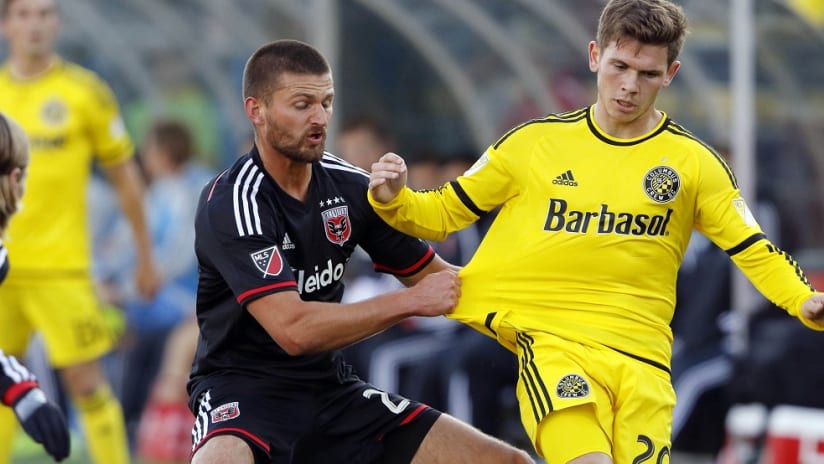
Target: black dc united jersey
x: 253, y: 239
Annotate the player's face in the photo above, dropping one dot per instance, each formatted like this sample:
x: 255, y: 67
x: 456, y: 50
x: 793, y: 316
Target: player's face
x: 630, y: 75
x: 30, y: 27
x: 297, y: 115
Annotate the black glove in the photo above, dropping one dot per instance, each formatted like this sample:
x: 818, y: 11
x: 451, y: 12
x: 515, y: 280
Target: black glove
x: 44, y: 422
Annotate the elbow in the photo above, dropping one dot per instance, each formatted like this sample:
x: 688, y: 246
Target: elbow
x: 295, y: 345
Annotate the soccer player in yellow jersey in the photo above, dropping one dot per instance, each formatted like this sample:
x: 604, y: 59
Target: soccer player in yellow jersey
x: 72, y: 120
x: 577, y: 272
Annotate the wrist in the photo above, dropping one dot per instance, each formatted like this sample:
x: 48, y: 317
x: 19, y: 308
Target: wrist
x: 16, y: 391
x: 28, y: 403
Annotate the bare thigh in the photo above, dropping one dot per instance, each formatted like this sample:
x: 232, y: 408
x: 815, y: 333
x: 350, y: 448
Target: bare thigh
x: 592, y: 458
x: 222, y: 449
x: 451, y: 441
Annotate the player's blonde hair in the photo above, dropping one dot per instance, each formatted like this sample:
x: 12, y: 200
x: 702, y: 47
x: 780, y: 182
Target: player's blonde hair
x: 14, y: 158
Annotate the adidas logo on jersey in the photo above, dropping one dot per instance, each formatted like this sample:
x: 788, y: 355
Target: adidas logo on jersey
x: 287, y: 243
x: 565, y: 179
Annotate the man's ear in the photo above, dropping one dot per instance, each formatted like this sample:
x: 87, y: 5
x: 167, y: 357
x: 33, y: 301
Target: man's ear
x: 674, y: 67
x: 253, y: 110
x: 17, y: 179
x: 594, y: 55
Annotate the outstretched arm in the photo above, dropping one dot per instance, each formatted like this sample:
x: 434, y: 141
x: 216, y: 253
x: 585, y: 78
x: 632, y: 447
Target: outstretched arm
x: 129, y: 187
x: 303, y: 327
x: 42, y: 420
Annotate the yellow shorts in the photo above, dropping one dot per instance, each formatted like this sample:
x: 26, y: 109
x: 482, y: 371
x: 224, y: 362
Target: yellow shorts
x: 67, y: 312
x: 576, y: 399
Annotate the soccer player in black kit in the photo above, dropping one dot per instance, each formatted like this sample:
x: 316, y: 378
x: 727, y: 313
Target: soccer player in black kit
x: 273, y: 235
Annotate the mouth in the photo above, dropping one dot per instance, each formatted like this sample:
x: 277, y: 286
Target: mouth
x: 625, y: 105
x: 316, y: 137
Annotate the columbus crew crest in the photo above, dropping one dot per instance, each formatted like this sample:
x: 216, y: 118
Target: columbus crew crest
x: 337, y: 225
x: 572, y: 386
x: 661, y: 184
x: 54, y: 112
x: 268, y: 261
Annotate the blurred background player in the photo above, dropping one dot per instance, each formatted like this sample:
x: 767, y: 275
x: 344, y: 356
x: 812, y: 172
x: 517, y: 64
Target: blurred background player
x: 72, y: 119
x: 174, y: 180
x: 40, y: 418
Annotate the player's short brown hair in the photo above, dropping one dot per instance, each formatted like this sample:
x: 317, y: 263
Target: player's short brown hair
x: 267, y: 63
x: 655, y: 22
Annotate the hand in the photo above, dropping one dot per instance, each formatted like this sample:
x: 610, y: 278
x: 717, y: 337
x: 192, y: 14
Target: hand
x: 437, y: 293
x: 387, y: 178
x: 44, y: 422
x: 147, y: 279
x: 813, y: 309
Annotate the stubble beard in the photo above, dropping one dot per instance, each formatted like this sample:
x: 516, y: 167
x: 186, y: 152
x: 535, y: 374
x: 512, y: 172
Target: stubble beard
x: 293, y: 149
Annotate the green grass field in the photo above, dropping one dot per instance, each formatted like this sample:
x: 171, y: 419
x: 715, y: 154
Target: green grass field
x: 26, y: 451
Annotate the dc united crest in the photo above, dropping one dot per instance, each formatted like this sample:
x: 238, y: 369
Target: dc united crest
x: 337, y: 225
x: 268, y: 261
x: 572, y: 386
x: 661, y: 184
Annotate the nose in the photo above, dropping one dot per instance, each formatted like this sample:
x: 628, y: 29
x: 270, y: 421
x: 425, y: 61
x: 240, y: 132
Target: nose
x: 630, y: 82
x: 321, y: 115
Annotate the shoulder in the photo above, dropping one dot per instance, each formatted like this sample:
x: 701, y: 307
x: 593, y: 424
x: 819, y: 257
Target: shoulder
x: 530, y: 131
x: 685, y: 140
x: 707, y: 158
x: 343, y: 171
x: 84, y: 80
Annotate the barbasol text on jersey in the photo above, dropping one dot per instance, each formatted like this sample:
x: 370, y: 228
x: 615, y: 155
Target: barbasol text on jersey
x: 319, y: 278
x: 560, y: 217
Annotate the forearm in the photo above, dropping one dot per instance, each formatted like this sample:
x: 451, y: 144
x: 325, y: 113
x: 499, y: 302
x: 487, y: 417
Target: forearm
x: 319, y: 326
x: 430, y: 214
x: 777, y: 276
x: 15, y: 379
x: 129, y: 187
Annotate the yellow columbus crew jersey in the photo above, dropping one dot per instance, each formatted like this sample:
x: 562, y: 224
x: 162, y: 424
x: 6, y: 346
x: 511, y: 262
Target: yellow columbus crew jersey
x: 592, y: 231
x: 71, y: 117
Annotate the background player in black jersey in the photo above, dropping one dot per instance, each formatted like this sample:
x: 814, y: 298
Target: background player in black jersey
x: 40, y: 418
x: 273, y: 235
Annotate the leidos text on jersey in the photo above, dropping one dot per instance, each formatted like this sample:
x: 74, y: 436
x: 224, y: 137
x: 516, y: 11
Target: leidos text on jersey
x: 319, y: 278
x: 604, y: 221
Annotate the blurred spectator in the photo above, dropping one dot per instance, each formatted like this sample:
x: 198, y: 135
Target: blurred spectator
x: 174, y: 183
x: 164, y: 433
x: 362, y: 140
x: 182, y: 98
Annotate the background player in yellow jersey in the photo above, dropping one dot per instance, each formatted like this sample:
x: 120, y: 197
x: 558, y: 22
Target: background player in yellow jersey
x: 71, y: 119
x: 577, y: 272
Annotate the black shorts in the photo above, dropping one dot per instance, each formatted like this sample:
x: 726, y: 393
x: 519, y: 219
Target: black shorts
x: 351, y: 422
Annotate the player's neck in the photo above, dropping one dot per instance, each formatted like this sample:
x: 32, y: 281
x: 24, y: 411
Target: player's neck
x: 31, y: 68
x: 629, y: 129
x: 291, y: 176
